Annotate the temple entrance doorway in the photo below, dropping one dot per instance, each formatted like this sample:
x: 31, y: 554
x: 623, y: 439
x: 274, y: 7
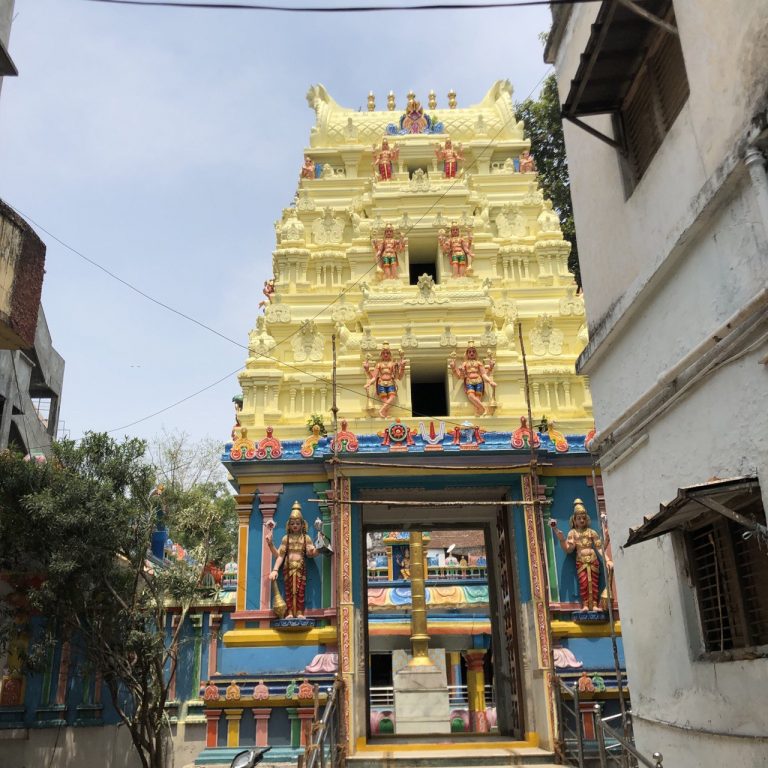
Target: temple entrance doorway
x: 471, y: 621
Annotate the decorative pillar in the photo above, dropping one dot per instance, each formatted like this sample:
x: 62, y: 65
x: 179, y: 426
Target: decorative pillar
x: 175, y: 617
x: 61, y: 687
x: 233, y: 726
x: 293, y: 719
x: 346, y: 608
x: 540, y: 606
x: 261, y: 719
x: 329, y: 594
x: 454, y: 658
x: 197, y: 653
x: 212, y: 727
x: 305, y: 715
x: 214, y: 623
x: 419, y: 634
x: 244, y: 503
x: 478, y: 722
x: 268, y: 496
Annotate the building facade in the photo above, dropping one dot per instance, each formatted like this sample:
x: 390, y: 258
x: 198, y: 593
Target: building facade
x: 665, y: 131
x: 419, y: 277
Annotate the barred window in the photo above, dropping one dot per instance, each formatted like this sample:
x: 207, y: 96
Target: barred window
x: 655, y: 98
x: 729, y: 568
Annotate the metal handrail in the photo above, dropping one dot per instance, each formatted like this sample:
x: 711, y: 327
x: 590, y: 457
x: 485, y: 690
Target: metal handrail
x: 323, y: 734
x: 573, y: 693
x: 602, y: 729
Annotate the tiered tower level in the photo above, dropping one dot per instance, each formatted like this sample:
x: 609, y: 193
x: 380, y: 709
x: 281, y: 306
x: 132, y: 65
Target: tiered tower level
x: 328, y: 279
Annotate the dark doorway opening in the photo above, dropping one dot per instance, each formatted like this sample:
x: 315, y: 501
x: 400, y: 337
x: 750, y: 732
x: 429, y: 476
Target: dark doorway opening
x: 429, y: 391
x: 422, y: 259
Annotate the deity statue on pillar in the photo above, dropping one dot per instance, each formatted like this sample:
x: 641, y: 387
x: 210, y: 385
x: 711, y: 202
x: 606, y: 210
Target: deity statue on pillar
x: 387, y: 250
x: 450, y: 156
x: 458, y: 248
x: 588, y: 548
x: 383, y: 158
x: 295, y: 547
x: 384, y: 376
x: 268, y: 291
x: 475, y: 376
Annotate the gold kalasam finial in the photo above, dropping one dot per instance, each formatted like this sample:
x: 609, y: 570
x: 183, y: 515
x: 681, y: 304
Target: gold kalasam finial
x: 452, y: 99
x: 391, y: 101
x: 411, y: 96
x: 432, y: 100
x: 371, y: 101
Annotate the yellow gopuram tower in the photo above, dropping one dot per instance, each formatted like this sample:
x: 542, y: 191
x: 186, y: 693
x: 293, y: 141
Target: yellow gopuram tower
x: 420, y: 241
x: 454, y: 200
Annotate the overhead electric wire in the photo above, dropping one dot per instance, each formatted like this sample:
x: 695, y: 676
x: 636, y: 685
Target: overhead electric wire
x: 205, y: 326
x: 186, y: 4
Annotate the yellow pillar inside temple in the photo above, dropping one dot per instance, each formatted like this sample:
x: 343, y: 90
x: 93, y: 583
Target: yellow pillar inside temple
x: 476, y: 690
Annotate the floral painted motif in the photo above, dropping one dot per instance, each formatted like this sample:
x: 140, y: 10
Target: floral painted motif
x: 346, y: 440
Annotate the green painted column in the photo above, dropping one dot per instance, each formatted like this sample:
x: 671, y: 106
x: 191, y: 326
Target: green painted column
x: 327, y: 562
x: 549, y: 539
x: 197, y: 655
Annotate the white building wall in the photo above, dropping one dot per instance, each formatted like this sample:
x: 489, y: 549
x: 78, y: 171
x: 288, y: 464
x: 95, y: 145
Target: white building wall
x: 663, y: 271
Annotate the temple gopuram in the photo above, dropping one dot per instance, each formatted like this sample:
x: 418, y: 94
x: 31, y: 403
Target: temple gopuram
x: 421, y: 532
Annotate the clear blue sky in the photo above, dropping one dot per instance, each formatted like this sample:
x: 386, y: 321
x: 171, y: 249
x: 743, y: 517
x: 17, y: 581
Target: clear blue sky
x: 163, y: 144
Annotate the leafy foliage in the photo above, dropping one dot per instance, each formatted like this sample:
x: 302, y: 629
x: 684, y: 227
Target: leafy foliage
x: 74, y: 534
x: 544, y: 127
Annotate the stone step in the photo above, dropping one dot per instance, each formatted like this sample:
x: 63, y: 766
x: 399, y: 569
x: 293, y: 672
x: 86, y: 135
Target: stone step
x: 464, y: 757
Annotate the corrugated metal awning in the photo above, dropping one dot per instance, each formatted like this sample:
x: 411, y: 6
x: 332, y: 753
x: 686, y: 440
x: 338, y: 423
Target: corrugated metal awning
x: 614, y: 53
x: 695, y: 503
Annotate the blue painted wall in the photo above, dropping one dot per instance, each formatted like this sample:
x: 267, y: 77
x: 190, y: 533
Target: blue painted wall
x: 300, y: 492
x: 288, y: 660
x: 594, y: 652
x: 566, y: 490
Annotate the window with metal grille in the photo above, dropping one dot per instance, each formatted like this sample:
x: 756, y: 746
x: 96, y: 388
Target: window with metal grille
x: 655, y: 98
x: 729, y: 567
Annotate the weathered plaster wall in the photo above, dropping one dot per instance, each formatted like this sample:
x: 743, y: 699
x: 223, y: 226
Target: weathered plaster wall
x: 725, y: 47
x: 661, y: 631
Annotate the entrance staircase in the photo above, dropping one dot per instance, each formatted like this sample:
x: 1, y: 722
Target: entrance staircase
x: 451, y: 754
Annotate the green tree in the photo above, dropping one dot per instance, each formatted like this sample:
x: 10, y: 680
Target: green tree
x: 199, y: 504
x: 74, y: 533
x: 544, y: 127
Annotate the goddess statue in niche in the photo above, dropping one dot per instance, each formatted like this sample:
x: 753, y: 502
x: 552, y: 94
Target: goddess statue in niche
x: 384, y: 375
x: 292, y: 555
x: 475, y: 376
x: 450, y: 157
x: 387, y: 249
x: 384, y: 158
x: 588, y: 548
x: 458, y: 249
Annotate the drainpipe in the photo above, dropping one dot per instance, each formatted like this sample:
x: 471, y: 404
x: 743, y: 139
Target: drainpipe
x: 755, y: 162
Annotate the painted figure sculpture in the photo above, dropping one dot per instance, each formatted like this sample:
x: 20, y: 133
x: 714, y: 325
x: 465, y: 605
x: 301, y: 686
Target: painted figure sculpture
x: 450, y: 156
x: 308, y: 169
x: 527, y: 164
x: 588, y: 548
x: 475, y: 376
x: 383, y: 158
x: 292, y: 555
x: 384, y: 376
x: 458, y: 248
x: 387, y: 249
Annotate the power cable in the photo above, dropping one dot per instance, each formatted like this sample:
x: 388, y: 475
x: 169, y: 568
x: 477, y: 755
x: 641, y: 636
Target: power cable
x: 205, y: 326
x: 342, y: 9
x: 127, y: 284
